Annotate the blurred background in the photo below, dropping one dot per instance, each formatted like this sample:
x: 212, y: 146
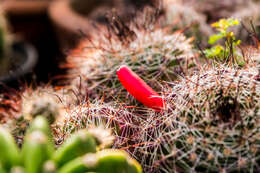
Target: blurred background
x: 52, y: 28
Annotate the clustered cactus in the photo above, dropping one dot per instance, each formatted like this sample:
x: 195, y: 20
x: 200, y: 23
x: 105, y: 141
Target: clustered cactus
x: 81, y: 153
x: 155, y: 55
x: 210, y: 124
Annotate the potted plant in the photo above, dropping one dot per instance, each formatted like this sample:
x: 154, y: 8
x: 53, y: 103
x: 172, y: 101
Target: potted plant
x: 16, y: 57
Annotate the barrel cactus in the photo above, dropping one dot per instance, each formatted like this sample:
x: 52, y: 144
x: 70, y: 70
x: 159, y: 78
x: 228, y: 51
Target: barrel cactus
x: 79, y: 154
x: 155, y: 55
x: 210, y: 124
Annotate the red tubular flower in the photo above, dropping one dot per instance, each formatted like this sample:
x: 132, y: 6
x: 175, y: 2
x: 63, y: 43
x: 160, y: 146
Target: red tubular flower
x: 139, y: 89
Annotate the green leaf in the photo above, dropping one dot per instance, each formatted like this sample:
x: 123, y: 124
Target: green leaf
x: 214, y: 38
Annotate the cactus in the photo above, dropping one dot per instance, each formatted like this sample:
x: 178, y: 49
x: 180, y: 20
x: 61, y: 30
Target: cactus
x: 122, y: 122
x: 9, y: 152
x: 18, y: 108
x: 80, y: 153
x: 154, y: 55
x: 42, y: 101
x: 210, y: 124
x: 105, y: 161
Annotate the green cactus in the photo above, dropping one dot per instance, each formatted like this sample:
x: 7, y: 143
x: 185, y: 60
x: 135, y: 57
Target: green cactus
x: 211, y: 124
x: 154, y: 55
x: 38, y: 155
x: 9, y: 151
x: 77, y: 145
x: 105, y: 161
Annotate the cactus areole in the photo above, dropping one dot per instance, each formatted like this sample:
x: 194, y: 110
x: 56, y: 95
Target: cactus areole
x: 139, y: 89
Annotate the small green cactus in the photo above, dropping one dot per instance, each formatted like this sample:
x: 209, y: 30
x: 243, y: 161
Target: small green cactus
x: 154, y: 55
x: 210, y: 124
x: 105, y: 161
x: 79, y: 154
